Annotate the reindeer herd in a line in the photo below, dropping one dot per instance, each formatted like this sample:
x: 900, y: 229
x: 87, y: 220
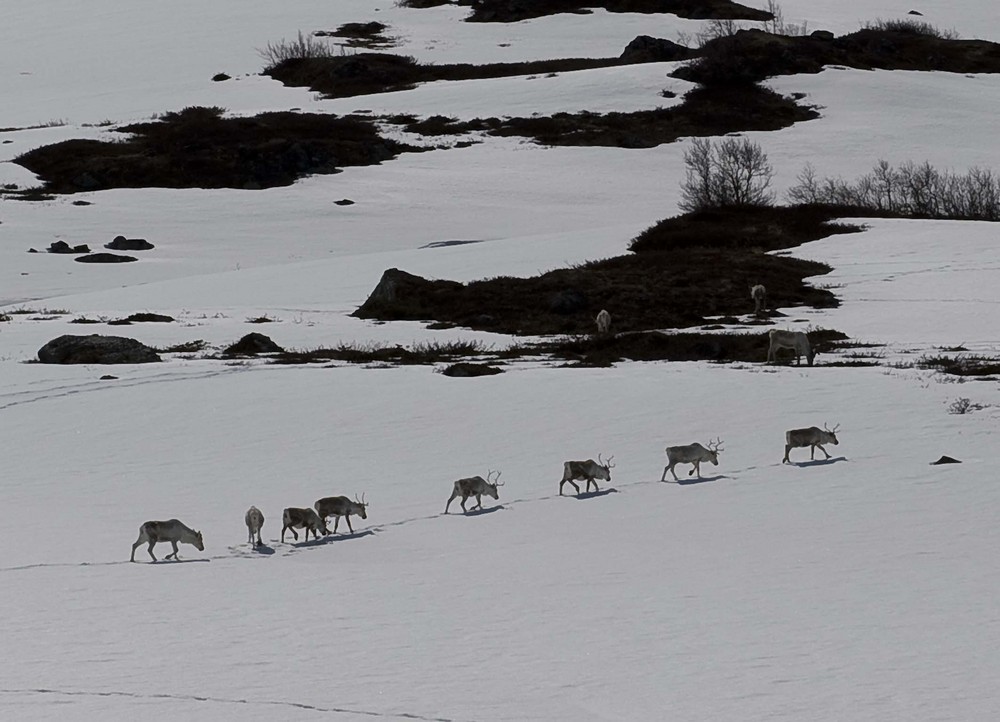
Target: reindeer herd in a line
x: 314, y: 520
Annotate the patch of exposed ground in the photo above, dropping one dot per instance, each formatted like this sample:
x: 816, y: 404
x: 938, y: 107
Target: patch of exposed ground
x: 364, y: 73
x: 511, y: 11
x: 753, y: 55
x: 198, y: 148
x: 704, y: 112
x: 683, y: 272
x: 370, y: 35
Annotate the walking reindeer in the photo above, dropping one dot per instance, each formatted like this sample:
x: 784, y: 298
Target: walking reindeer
x: 475, y: 486
x: 171, y: 531
x: 692, y: 454
x: 589, y: 470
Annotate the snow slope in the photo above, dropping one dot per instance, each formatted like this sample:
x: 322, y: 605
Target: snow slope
x: 862, y: 589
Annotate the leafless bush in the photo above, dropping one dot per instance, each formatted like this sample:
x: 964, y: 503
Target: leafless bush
x: 303, y: 46
x: 777, y: 25
x: 911, y: 27
x: 963, y: 405
x: 733, y: 172
x: 911, y: 189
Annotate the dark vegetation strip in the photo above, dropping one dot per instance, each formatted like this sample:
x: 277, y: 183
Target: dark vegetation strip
x: 682, y: 272
x: 364, y: 73
x: 198, y: 148
x: 510, y: 11
x: 750, y: 56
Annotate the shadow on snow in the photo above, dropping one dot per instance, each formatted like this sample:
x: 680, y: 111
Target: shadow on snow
x: 596, y: 494
x: 818, y: 462
x: 700, y: 480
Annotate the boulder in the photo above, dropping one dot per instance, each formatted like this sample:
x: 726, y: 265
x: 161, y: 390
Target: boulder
x: 567, y: 301
x: 121, y: 243
x: 253, y: 344
x: 945, y: 460
x: 63, y: 247
x: 647, y: 49
x: 96, y: 349
x: 105, y: 258
x: 465, y: 369
x: 400, y: 295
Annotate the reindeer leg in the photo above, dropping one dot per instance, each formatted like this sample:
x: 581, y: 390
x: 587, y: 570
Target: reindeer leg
x: 812, y: 452
x: 594, y: 482
x: 450, y: 499
x: 464, y: 499
x: 788, y: 447
x: 348, y: 518
x: 824, y: 451
x: 150, y: 549
x: 174, y: 555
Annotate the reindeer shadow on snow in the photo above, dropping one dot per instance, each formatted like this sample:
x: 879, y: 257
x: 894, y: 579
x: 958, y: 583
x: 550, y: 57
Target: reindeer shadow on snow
x: 691, y: 481
x: 480, y: 512
x: 818, y: 462
x: 583, y: 495
x: 332, y: 539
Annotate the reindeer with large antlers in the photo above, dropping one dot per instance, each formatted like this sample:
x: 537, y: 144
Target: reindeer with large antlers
x: 475, y: 486
x: 692, y: 454
x: 341, y: 506
x: 589, y: 470
x: 812, y: 437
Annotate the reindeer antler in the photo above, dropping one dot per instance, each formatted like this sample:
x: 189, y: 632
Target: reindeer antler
x: 361, y: 500
x: 491, y: 480
x: 716, y: 445
x: 606, y: 463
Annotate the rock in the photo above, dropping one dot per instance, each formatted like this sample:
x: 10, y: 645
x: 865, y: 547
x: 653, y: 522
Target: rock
x: 344, y: 202
x: 142, y: 318
x: 219, y: 77
x: 251, y: 345
x: 96, y: 349
x: 63, y: 247
x: 647, y: 49
x: 945, y: 460
x: 916, y: 12
x: 121, y: 243
x: 821, y: 35
x: 105, y: 258
x: 465, y: 369
x: 398, y: 295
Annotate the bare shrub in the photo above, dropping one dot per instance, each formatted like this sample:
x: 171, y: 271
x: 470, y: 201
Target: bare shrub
x: 911, y: 27
x: 303, y: 46
x: 910, y: 189
x: 734, y: 172
x: 777, y: 25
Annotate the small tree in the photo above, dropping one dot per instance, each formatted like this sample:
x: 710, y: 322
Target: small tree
x: 733, y: 172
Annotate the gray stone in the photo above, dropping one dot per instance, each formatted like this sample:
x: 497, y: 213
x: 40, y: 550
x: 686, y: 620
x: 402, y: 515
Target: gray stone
x: 96, y: 349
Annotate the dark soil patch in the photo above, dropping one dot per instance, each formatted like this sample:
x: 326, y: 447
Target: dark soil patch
x: 512, y: 11
x: 198, y: 148
x: 364, y: 73
x: 705, y: 112
x: 660, y: 285
x: 370, y: 35
x: 657, y: 346
x: 962, y: 364
x: 750, y: 56
x: 465, y: 369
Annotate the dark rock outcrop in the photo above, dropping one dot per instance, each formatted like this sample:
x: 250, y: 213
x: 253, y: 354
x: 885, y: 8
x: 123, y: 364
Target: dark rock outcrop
x: 96, y: 349
x: 105, y: 258
x: 251, y: 345
x: 465, y: 369
x: 402, y: 295
x: 121, y: 243
x: 945, y: 460
x: 647, y: 49
x: 63, y: 247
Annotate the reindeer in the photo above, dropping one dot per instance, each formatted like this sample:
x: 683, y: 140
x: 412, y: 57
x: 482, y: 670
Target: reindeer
x: 294, y: 518
x: 255, y: 520
x: 589, y: 470
x: 603, y: 321
x: 796, y: 341
x: 475, y: 486
x: 341, y: 506
x: 692, y: 454
x: 811, y: 437
x: 171, y: 531
x: 759, y: 295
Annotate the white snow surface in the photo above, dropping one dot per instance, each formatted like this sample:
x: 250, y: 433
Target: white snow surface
x: 860, y: 589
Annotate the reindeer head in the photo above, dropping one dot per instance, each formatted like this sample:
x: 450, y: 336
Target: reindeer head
x: 715, y: 448
x: 199, y: 543
x: 831, y: 434
x: 492, y: 485
x: 606, y: 465
x: 360, y: 507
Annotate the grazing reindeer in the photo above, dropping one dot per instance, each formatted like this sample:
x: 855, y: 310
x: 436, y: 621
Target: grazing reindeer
x: 692, y: 454
x: 255, y: 520
x: 759, y: 295
x: 589, y: 470
x: 475, y: 486
x: 811, y: 437
x: 341, y: 506
x: 796, y: 341
x: 603, y: 321
x: 294, y: 518
x: 171, y: 531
